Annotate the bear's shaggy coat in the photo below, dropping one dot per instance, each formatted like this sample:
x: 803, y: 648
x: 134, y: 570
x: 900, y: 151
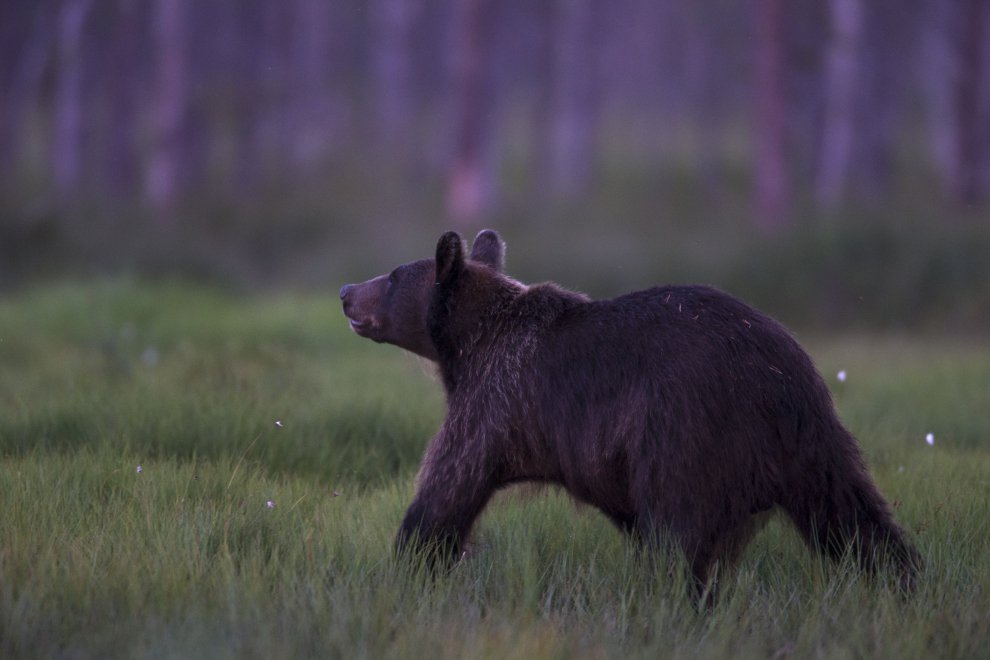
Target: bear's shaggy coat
x: 679, y: 411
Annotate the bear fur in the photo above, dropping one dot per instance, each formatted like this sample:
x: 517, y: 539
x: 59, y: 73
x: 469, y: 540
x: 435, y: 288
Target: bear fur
x: 680, y: 412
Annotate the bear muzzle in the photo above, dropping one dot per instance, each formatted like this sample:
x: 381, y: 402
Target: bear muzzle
x: 362, y: 324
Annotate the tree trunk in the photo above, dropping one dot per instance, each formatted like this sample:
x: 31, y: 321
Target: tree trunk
x: 889, y: 66
x: 26, y: 78
x: 772, y: 187
x: 124, y: 84
x: 936, y: 72
x: 239, y: 34
x: 67, y: 145
x: 702, y: 36
x: 970, y: 133
x: 393, y: 23
x: 842, y: 65
x: 271, y: 128
x: 162, y: 185
x: 573, y: 119
x: 313, y: 106
x: 469, y: 183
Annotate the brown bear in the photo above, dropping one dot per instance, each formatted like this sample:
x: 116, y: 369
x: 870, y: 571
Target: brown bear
x: 680, y: 412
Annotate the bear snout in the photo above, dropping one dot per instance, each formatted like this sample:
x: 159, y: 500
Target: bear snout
x: 356, y: 323
x: 360, y: 319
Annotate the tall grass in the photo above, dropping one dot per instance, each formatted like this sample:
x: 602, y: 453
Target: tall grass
x: 243, y: 537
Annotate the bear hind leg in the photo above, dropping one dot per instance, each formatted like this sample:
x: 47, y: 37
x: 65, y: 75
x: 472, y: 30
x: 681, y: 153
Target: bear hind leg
x: 836, y: 515
x: 709, y: 549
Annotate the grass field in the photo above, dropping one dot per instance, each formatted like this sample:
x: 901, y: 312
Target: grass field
x: 188, y: 474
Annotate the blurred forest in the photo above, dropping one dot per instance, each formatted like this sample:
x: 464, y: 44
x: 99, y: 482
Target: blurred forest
x: 283, y: 141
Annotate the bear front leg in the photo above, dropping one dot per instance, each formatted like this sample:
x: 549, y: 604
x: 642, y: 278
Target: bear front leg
x: 452, y: 492
x: 421, y: 533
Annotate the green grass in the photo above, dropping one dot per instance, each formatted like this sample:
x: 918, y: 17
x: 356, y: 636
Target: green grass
x: 184, y: 558
x: 904, y: 259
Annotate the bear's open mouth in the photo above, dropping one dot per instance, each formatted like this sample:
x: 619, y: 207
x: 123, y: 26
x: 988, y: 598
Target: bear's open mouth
x: 359, y: 326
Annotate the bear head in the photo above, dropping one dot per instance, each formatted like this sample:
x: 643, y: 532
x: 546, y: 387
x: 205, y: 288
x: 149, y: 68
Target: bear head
x: 393, y: 308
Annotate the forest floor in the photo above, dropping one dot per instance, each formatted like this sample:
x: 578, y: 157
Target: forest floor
x: 187, y: 473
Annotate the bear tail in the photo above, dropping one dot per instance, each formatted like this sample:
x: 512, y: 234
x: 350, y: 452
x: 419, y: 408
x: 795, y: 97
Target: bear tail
x: 840, y: 510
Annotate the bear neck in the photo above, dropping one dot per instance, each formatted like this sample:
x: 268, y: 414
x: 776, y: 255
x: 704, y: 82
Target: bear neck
x: 466, y: 318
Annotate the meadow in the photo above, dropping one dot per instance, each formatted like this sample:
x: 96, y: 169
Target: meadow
x: 187, y: 472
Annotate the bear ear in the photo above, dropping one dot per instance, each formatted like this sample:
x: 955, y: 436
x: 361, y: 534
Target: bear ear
x: 489, y: 249
x: 450, y: 257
